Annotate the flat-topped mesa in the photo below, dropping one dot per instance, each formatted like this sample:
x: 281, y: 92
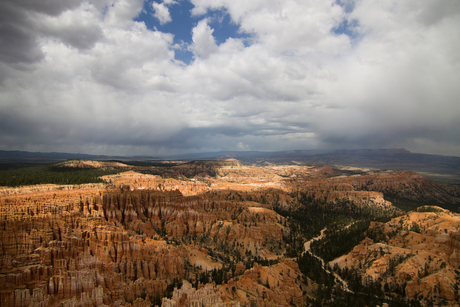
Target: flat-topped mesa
x: 347, y: 200
x: 368, y: 190
x: 93, y: 164
x: 35, y: 190
x: 324, y: 196
x: 138, y: 181
x: 405, y: 184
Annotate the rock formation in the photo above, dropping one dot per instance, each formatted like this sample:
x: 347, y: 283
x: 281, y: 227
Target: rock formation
x: 213, y: 229
x: 90, y: 247
x: 206, y: 296
x: 417, y: 253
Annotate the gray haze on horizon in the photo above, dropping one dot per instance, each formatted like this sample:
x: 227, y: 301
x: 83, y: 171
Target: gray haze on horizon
x: 79, y: 76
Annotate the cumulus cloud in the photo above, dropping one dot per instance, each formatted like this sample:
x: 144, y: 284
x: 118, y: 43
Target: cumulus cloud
x: 18, y: 36
x: 398, y: 76
x: 78, y: 28
x: 161, y: 12
x: 120, y: 13
x: 204, y: 43
x: 84, y: 76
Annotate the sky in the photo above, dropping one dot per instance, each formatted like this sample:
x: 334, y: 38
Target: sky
x: 133, y: 77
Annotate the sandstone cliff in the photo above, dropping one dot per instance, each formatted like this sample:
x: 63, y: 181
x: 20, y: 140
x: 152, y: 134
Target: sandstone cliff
x: 92, y: 246
x: 417, y: 253
x: 213, y: 228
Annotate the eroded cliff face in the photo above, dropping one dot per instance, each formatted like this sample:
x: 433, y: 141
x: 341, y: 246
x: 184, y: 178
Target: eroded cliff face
x: 93, y: 246
x: 136, y: 181
x: 130, y: 241
x: 415, y: 254
x: 260, y: 286
x: 206, y: 296
x: 61, y: 250
x: 288, y: 187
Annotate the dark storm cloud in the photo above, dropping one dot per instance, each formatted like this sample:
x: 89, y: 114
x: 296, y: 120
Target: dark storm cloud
x: 18, y: 36
x: 49, y: 7
x: 80, y: 36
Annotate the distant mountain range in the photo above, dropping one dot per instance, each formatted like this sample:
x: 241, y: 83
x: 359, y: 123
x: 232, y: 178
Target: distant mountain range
x: 436, y: 167
x: 52, y: 157
x: 444, y: 169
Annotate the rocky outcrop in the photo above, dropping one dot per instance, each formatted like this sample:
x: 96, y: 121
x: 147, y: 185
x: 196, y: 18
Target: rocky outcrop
x: 416, y: 253
x: 406, y: 185
x: 273, y: 285
x: 130, y: 241
x: 93, y: 164
x: 136, y: 181
x: 60, y: 249
x: 206, y: 296
x: 93, y: 246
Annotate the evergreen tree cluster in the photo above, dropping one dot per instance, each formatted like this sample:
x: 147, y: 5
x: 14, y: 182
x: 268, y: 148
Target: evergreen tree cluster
x: 340, y: 242
x: 21, y: 175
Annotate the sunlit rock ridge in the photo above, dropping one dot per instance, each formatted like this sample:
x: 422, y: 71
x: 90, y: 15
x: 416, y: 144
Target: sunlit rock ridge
x: 223, y: 233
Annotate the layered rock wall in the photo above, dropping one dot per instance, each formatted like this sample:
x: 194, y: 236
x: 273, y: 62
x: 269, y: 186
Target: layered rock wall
x: 67, y: 249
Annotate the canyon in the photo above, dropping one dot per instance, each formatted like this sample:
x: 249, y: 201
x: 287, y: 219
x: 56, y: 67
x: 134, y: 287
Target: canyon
x: 417, y: 253
x: 220, y: 233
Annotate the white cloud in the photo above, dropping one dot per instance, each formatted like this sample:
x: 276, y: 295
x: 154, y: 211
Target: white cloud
x: 161, y: 12
x: 84, y: 76
x: 169, y: 2
x: 242, y: 146
x: 288, y: 26
x: 79, y: 28
x: 120, y: 13
x: 392, y: 84
x: 130, y: 59
x: 204, y: 43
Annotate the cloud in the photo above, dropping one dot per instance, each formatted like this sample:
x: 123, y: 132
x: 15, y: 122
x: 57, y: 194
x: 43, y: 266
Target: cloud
x: 78, y: 28
x: 162, y: 12
x: 24, y: 23
x: 204, y: 43
x: 120, y: 13
x: 242, y: 146
x: 48, y: 7
x: 397, y: 77
x: 85, y: 77
x: 131, y: 60
x: 18, y: 37
x: 286, y: 26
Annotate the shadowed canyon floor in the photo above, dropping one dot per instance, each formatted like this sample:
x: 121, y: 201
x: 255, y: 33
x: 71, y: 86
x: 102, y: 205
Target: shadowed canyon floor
x: 222, y: 233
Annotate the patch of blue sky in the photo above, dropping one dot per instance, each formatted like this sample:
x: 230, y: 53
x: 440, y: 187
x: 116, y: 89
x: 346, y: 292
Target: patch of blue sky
x: 225, y: 28
x: 348, y: 28
x: 180, y: 26
x: 347, y: 5
x: 183, y: 22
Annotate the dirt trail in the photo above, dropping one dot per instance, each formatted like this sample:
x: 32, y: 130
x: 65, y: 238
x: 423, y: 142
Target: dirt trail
x: 307, y: 247
x: 307, y: 244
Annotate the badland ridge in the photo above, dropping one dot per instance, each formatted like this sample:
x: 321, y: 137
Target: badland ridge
x: 227, y: 233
